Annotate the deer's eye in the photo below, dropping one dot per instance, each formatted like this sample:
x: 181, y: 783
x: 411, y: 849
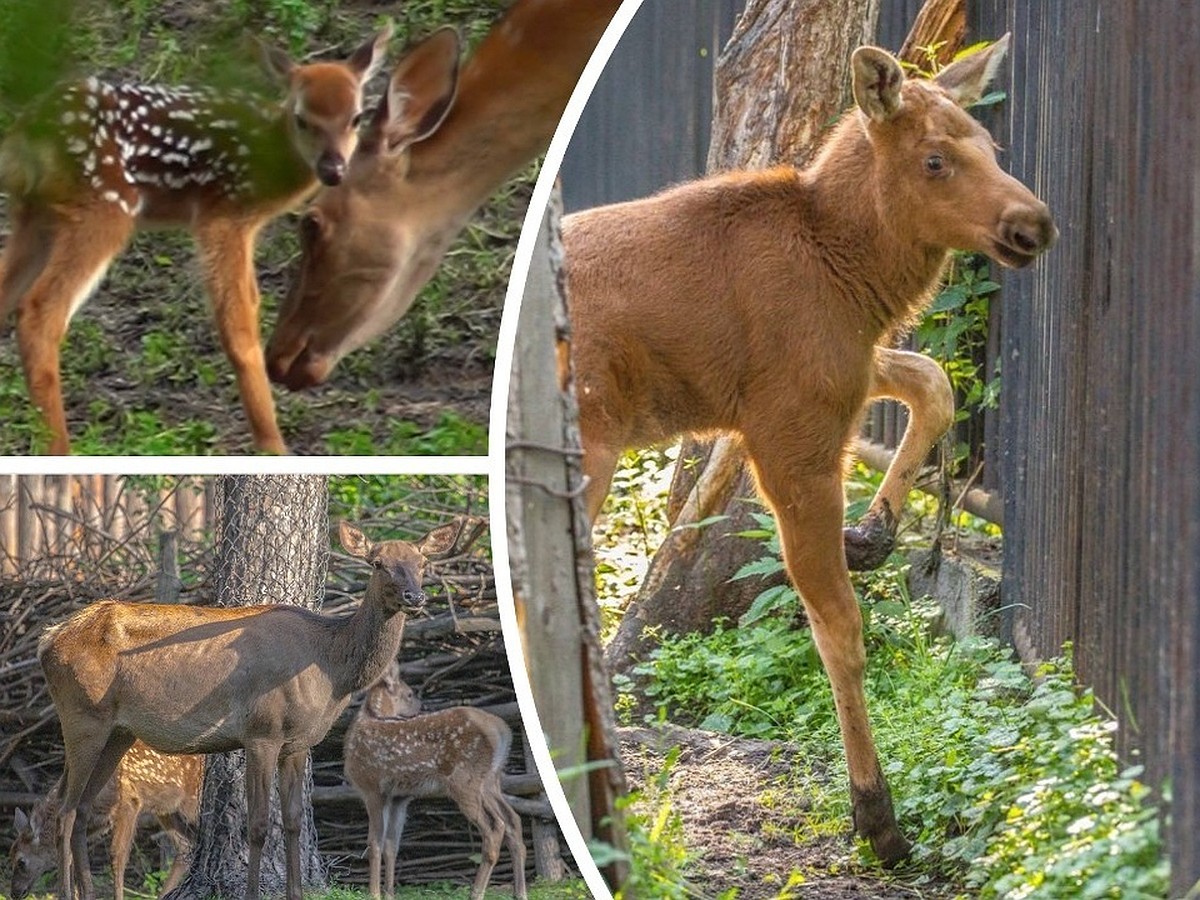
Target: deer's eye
x: 357, y: 120
x: 935, y: 164
x: 302, y: 123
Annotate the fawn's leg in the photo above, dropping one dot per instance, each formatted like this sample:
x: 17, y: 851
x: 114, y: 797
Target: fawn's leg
x: 124, y: 824
x: 513, y: 837
x: 397, y: 816
x: 808, y: 506
x: 227, y: 252
x: 920, y: 384
x: 180, y: 832
x: 82, y: 243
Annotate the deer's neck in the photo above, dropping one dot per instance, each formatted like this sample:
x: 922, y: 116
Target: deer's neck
x: 511, y: 95
x: 366, y: 644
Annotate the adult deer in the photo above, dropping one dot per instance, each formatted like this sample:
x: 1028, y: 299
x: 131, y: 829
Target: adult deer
x: 438, y: 146
x: 395, y: 754
x: 760, y: 304
x: 168, y: 787
x: 185, y: 679
x: 92, y: 164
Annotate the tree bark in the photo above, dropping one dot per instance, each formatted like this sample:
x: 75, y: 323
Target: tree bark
x: 780, y: 82
x: 272, y: 536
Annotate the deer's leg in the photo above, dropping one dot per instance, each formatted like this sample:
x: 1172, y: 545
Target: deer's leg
x: 514, y: 838
x: 471, y: 802
x: 227, y: 250
x: 920, y: 384
x: 261, y: 758
x: 91, y: 758
x: 80, y: 250
x: 291, y: 802
x: 23, y: 258
x: 124, y: 824
x: 808, y: 507
x: 179, y: 831
x: 397, y: 815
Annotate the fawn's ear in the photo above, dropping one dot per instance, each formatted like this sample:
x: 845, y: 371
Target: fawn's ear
x: 877, y: 78
x: 275, y: 62
x: 967, y: 78
x: 367, y: 59
x: 20, y: 820
x: 353, y: 540
x: 420, y: 92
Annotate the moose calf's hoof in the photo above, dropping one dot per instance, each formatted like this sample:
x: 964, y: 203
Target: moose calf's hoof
x: 870, y: 542
x: 875, y: 822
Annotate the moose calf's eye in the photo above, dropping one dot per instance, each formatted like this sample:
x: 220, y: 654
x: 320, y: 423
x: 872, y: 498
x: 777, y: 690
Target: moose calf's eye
x: 357, y: 120
x: 935, y: 164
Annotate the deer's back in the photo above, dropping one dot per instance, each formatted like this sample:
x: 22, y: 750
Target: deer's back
x: 416, y: 757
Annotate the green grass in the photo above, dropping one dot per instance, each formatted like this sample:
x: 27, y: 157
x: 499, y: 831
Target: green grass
x: 1006, y: 781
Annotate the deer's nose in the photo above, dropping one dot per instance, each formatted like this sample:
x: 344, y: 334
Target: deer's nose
x: 331, y: 169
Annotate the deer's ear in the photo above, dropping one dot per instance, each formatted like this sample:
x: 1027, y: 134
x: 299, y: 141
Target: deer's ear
x: 367, y: 59
x: 353, y: 540
x: 877, y: 79
x: 967, y: 78
x: 442, y: 540
x: 420, y: 93
x: 275, y: 62
x: 20, y: 820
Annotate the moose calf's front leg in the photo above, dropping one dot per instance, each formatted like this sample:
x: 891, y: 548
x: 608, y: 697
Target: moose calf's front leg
x: 808, y: 510
x: 921, y: 384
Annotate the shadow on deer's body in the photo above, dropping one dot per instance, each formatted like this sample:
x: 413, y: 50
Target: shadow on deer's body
x: 269, y: 679
x: 762, y: 303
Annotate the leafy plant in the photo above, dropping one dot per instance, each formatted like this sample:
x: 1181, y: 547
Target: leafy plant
x: 1009, y: 781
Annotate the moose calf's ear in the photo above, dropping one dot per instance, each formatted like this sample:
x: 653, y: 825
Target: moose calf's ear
x: 353, y: 540
x: 967, y: 78
x: 877, y: 78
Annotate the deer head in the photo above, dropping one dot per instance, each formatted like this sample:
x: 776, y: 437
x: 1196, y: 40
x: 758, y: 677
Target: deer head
x: 324, y: 103
x: 363, y: 241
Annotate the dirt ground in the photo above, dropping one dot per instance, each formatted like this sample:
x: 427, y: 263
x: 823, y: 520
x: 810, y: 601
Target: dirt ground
x: 742, y: 812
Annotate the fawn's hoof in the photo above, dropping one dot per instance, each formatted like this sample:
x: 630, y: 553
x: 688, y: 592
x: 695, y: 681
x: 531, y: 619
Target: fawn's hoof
x: 871, y: 541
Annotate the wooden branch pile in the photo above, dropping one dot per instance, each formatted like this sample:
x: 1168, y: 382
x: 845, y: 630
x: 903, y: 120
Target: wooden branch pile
x: 452, y: 655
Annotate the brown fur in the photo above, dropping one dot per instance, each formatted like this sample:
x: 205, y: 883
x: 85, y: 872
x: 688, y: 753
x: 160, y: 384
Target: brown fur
x: 68, y: 228
x: 269, y: 679
x: 371, y: 243
x: 759, y: 304
x: 167, y: 787
x: 394, y: 754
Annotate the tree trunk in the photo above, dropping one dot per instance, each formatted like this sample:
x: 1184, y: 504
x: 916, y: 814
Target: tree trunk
x: 272, y: 538
x: 780, y: 82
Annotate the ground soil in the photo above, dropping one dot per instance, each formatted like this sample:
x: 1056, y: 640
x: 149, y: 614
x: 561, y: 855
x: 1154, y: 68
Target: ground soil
x: 744, y: 820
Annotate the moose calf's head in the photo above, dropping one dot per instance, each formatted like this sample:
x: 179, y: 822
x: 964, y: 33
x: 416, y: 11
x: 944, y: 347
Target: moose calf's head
x: 936, y: 166
x: 324, y: 103
x: 366, y: 245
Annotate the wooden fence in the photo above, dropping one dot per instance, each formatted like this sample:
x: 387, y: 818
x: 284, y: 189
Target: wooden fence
x: 65, y: 521
x: 1100, y: 409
